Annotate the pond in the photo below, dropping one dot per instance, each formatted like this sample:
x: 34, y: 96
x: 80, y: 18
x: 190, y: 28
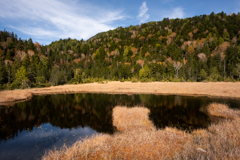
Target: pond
x: 29, y: 128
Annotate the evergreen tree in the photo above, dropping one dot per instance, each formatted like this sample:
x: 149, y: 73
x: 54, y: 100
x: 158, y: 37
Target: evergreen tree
x: 226, y: 36
x: 21, y: 77
x: 214, y: 74
x: 202, y: 75
x: 8, y: 69
x: 3, y: 73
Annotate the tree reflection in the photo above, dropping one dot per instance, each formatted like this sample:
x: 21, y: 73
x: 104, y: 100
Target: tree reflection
x: 95, y: 111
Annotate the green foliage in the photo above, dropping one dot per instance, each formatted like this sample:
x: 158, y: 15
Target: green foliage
x: 97, y: 54
x: 144, y: 73
x: 220, y: 40
x: 127, y: 53
x: 120, y: 54
x: 58, y: 76
x: 214, y: 74
x: 21, y: 78
x: 134, y: 79
x: 40, y: 79
x: 202, y: 75
x: 226, y: 36
x: 78, y: 76
x: 237, y: 71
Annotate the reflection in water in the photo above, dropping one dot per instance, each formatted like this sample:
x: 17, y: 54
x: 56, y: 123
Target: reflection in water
x: 28, y: 126
x: 64, y: 111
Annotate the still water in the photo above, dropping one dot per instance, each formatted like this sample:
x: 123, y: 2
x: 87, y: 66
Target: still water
x: 29, y: 128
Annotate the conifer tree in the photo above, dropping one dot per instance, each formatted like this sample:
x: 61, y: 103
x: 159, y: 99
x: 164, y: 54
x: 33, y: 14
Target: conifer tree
x: 202, y: 75
x: 21, y: 77
x: 214, y: 74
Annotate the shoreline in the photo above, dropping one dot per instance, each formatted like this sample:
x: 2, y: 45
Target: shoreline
x: 211, y: 89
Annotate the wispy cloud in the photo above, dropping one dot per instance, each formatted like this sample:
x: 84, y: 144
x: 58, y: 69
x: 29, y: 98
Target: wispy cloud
x: 143, y: 16
x: 167, y: 1
x: 50, y: 20
x: 176, y: 13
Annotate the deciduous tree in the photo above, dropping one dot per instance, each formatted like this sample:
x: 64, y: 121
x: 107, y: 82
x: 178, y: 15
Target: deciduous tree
x: 177, y: 66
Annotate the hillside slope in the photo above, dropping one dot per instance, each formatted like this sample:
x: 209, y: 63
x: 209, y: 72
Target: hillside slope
x: 201, y: 48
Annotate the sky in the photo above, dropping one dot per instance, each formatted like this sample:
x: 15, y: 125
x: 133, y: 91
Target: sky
x: 49, y: 20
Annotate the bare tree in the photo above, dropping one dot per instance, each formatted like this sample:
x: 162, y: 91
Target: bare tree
x: 202, y: 57
x: 234, y: 41
x: 177, y: 66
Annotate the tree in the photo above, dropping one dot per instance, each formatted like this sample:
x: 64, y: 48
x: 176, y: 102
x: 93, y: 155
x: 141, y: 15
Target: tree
x: 58, y: 75
x: 177, y: 66
x: 220, y: 40
x: 202, y: 75
x: 226, y: 36
x: 127, y: 53
x: 9, y: 56
x: 3, y: 73
x: 97, y: 54
x: 39, y: 79
x: 26, y: 61
x: 214, y: 74
x: 21, y: 77
x: 237, y: 70
x: 30, y: 44
x: 77, y: 75
x: 190, y: 50
x: 125, y: 71
x: 8, y: 69
x: 144, y: 73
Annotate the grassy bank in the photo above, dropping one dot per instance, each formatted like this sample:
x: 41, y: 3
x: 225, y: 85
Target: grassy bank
x: 139, y: 139
x: 218, y: 89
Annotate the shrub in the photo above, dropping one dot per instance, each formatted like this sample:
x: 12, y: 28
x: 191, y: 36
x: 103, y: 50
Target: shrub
x: 134, y: 79
x: 15, y: 85
x: 122, y: 80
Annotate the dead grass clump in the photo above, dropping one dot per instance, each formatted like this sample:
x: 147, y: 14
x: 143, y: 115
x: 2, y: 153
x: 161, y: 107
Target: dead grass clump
x: 133, y: 144
x: 221, y: 110
x: 221, y: 141
x: 125, y: 118
x: 139, y: 139
x: 89, y: 148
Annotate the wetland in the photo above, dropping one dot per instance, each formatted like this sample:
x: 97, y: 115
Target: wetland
x: 46, y: 122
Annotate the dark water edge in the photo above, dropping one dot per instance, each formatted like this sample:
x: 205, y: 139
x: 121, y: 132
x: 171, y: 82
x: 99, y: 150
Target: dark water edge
x: 46, y: 122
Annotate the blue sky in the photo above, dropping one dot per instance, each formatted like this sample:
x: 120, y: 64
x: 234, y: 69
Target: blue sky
x: 49, y: 20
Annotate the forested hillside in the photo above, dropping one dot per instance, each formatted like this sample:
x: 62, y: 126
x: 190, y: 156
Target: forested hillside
x: 201, y: 48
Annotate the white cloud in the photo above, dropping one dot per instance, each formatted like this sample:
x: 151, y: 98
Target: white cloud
x: 51, y: 20
x: 143, y: 16
x: 176, y: 13
x: 167, y: 1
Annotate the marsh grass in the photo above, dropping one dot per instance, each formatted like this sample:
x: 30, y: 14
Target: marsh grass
x: 139, y: 139
x: 222, y: 110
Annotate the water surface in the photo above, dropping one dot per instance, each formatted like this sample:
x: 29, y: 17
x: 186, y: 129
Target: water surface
x: 46, y: 122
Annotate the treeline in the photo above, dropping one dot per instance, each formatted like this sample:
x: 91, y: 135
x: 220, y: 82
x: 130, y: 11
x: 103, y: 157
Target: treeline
x: 201, y: 48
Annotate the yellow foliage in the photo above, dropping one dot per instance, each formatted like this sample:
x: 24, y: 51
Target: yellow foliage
x: 147, y: 54
x: 190, y: 50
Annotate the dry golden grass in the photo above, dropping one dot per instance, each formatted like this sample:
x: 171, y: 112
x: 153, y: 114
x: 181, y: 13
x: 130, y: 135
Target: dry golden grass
x: 139, y: 139
x: 219, y: 141
x: 219, y: 89
x: 221, y: 110
x: 126, y: 119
